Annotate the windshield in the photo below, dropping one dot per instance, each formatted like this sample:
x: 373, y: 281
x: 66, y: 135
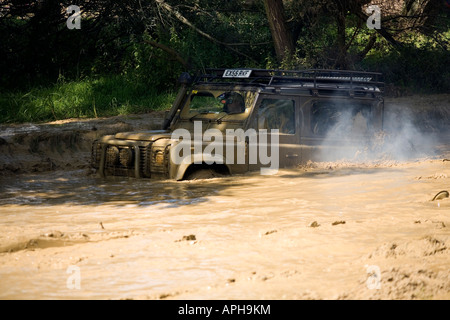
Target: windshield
x: 218, y: 102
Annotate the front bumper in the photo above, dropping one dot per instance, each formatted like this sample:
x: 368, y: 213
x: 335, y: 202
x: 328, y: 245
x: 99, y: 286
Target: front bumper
x: 139, y: 159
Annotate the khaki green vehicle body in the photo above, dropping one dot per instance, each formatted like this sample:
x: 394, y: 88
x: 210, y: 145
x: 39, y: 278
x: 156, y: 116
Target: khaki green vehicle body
x: 304, y: 107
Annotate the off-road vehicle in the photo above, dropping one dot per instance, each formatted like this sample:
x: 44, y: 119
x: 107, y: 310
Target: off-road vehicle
x: 312, y: 112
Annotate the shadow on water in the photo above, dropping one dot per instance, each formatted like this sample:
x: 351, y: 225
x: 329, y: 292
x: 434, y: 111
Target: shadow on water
x: 78, y: 188
x: 75, y: 188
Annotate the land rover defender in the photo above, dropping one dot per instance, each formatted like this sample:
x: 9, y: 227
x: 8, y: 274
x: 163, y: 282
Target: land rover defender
x: 291, y: 116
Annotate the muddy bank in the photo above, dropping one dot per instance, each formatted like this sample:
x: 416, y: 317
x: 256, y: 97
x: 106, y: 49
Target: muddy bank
x: 427, y: 113
x: 62, y: 145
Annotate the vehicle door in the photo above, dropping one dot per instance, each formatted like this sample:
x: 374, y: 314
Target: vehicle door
x: 278, y: 113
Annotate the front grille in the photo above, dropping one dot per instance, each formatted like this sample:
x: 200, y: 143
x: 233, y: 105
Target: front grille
x: 153, y: 159
x: 143, y: 162
x: 125, y: 163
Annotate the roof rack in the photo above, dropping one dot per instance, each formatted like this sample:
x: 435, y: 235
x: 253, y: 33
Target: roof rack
x: 314, y: 79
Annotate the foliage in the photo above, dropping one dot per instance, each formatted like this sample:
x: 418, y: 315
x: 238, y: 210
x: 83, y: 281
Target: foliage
x: 407, y: 70
x: 100, y: 97
x: 134, y: 51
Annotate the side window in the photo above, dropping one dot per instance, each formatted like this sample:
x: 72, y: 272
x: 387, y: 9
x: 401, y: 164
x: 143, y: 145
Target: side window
x: 324, y: 117
x: 277, y: 114
x: 340, y: 118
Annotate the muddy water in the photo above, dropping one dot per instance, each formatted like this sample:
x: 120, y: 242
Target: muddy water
x: 305, y: 233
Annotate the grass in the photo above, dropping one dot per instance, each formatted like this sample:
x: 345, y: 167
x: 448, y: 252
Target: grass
x: 87, y: 98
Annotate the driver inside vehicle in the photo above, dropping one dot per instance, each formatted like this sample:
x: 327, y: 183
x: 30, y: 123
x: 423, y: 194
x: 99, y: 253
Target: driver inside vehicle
x: 232, y: 102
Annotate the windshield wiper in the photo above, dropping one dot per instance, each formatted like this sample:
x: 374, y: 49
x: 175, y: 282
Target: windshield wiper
x: 198, y: 114
x: 219, y: 120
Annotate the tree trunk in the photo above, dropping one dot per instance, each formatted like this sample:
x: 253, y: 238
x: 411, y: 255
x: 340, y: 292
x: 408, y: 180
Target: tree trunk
x: 341, y: 59
x: 282, y: 39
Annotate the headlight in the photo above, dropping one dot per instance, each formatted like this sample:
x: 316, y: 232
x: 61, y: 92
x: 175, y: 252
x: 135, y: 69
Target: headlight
x: 112, y: 156
x: 159, y: 158
x: 126, y: 157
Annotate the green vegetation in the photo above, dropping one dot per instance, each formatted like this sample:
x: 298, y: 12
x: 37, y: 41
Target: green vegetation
x: 104, y: 96
x: 127, y: 55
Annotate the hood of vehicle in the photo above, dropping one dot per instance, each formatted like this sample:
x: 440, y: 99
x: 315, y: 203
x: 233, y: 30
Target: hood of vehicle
x: 152, y: 135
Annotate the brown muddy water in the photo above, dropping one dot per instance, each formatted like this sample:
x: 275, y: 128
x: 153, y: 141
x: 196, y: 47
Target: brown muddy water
x: 315, y: 232
x: 336, y: 230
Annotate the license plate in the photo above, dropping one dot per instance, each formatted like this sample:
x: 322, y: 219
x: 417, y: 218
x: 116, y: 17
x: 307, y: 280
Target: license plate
x: 236, y: 73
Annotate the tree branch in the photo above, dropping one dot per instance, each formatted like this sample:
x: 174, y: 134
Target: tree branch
x: 369, y: 46
x: 397, y: 45
x: 185, y: 21
x: 170, y: 51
